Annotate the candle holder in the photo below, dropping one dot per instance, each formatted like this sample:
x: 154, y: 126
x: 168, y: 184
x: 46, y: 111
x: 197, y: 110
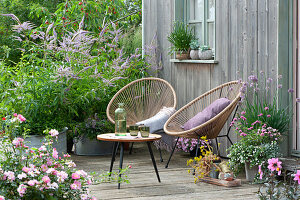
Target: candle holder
x: 134, y: 130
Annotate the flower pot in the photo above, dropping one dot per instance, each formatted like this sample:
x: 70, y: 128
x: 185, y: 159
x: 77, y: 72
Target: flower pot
x: 250, y: 172
x: 206, y: 54
x: 37, y: 141
x: 183, y: 55
x: 194, y: 54
x: 87, y: 147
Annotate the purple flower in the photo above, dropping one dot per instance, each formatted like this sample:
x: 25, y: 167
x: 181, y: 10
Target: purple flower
x: 291, y: 90
x: 269, y: 80
x: 298, y: 100
x: 253, y: 78
x: 279, y: 86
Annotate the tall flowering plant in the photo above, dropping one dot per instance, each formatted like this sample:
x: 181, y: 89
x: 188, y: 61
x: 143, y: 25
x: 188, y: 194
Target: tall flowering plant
x: 37, y: 173
x: 274, y: 189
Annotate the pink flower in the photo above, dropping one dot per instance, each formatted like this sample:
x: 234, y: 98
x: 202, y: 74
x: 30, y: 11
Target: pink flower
x: 266, y: 108
x: 75, y: 176
x: 268, y: 115
x: 260, y: 172
x: 260, y: 115
x: 22, y: 190
x: 84, y: 197
x: 46, y: 179
x: 21, y: 118
x: 10, y: 175
x: 18, y: 142
x: 67, y: 156
x: 15, y: 114
x: 44, y: 168
x: 54, y: 153
x: 61, y: 176
x: 89, y: 181
x: 2, y: 197
x: 275, y: 165
x: 243, y: 134
x: 74, y: 186
x: 53, y: 133
x: 33, y: 182
x: 297, y: 176
x: 78, y: 183
x: 243, y: 112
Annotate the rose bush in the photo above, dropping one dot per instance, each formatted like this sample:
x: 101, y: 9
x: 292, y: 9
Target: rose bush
x: 37, y: 173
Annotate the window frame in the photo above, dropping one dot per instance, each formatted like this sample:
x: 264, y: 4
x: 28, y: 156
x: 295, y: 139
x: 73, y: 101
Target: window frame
x: 205, y: 22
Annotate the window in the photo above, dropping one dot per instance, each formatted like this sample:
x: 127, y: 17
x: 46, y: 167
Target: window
x: 200, y: 16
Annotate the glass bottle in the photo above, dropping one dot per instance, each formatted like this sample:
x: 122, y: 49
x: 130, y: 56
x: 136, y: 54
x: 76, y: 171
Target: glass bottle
x: 120, y: 120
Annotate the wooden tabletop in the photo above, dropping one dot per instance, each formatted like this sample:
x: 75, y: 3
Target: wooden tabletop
x: 128, y: 138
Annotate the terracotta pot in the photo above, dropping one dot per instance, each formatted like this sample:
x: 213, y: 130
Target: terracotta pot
x: 183, y: 55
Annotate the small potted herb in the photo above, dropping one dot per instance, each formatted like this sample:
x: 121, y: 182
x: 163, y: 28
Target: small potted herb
x: 180, y: 38
x: 194, y: 53
x: 205, y: 53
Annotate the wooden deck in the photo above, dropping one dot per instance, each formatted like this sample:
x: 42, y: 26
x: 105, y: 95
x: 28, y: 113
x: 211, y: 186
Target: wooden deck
x: 176, y: 183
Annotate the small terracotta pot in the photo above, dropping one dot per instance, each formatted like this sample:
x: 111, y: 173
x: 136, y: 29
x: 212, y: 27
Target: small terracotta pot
x: 183, y: 55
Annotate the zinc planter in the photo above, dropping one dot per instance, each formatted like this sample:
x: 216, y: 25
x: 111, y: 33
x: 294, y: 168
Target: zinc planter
x: 87, y: 147
x: 250, y: 172
x: 37, y: 141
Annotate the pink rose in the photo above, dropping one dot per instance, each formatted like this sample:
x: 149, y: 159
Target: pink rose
x: 46, y: 179
x: 75, y: 176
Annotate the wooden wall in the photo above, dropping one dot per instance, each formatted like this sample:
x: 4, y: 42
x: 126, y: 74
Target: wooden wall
x: 246, y: 41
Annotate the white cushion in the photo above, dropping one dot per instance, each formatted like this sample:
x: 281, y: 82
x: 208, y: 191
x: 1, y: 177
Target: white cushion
x: 157, y: 121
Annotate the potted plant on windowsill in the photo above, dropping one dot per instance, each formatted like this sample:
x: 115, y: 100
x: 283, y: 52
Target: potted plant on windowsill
x: 194, y: 53
x: 180, y: 38
x: 205, y: 53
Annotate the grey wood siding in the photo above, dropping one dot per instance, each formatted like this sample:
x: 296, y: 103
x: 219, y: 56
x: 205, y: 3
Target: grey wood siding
x: 246, y: 41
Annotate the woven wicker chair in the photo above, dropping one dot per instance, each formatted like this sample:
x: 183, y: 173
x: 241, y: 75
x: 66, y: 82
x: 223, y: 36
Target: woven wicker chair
x: 211, y: 128
x: 142, y: 98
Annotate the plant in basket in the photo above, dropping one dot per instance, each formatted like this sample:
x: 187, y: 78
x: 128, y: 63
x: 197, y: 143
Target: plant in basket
x: 203, y: 165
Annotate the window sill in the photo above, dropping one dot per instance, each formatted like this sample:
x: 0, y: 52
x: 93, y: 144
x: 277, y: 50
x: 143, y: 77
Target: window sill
x: 195, y: 61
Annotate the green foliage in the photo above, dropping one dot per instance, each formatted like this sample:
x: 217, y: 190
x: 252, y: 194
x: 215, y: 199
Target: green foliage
x: 204, y: 48
x: 252, y: 148
x: 194, y: 44
x: 63, y: 81
x: 132, y: 40
x: 180, y: 37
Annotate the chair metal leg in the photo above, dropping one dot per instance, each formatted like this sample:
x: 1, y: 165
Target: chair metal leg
x: 130, y: 151
x: 172, y: 153
x: 121, y: 163
x: 197, y: 151
x: 153, y: 160
x: 161, y: 159
x: 113, y: 156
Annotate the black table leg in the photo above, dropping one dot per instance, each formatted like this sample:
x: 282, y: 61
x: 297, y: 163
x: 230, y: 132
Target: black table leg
x: 113, y: 157
x: 121, y: 163
x: 153, y: 160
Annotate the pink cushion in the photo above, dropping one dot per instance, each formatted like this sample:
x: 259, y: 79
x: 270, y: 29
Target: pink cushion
x: 209, y: 112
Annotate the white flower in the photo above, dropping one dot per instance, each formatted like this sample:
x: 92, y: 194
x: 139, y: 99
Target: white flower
x: 21, y: 176
x: 53, y: 133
